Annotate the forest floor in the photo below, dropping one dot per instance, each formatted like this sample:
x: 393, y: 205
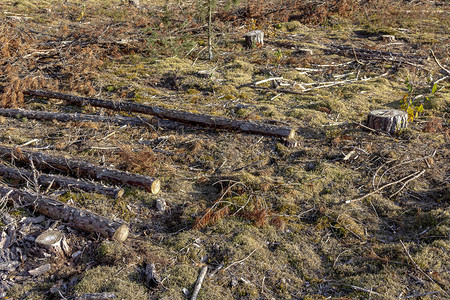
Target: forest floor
x: 341, y: 212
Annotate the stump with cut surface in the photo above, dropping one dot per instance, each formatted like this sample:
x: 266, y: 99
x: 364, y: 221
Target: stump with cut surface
x: 387, y: 120
x: 254, y: 39
x: 54, y: 241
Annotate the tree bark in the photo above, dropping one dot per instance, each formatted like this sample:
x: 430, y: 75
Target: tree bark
x: 60, y: 181
x: 78, y: 218
x: 387, y: 120
x: 80, y: 168
x: 174, y: 115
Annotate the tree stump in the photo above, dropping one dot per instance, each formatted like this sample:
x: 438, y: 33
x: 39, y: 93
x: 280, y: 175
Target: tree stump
x: 254, y: 39
x: 388, y: 38
x: 387, y: 120
x: 54, y: 241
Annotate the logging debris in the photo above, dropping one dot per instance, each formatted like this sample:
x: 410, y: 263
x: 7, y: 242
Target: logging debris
x: 81, y: 168
x: 56, y: 181
x: 174, y: 115
x: 77, y: 218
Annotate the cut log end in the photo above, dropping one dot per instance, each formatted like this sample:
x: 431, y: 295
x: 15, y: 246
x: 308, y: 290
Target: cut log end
x: 291, y: 134
x: 121, y: 233
x: 387, y: 120
x: 155, y: 186
x: 119, y: 193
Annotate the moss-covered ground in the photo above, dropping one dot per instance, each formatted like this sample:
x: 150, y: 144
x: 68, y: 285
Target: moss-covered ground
x: 269, y: 219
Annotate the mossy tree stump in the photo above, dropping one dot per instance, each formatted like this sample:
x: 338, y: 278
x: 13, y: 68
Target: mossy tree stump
x: 387, y: 120
x: 254, y: 39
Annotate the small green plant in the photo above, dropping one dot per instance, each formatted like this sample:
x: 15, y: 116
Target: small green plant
x: 413, y: 104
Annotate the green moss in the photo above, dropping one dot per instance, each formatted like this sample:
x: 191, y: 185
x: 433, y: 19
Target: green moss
x: 173, y: 64
x: 293, y: 26
x: 113, y: 252
x: 181, y: 276
x: 112, y: 279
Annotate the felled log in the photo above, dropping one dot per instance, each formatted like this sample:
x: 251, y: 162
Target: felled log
x: 82, y: 168
x: 78, y: 218
x: 174, y: 115
x: 387, y: 120
x: 60, y: 181
x: 254, y: 38
x: 66, y: 117
x: 54, y: 241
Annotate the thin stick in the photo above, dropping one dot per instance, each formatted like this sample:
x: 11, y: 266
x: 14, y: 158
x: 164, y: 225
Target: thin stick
x: 405, y: 183
x: 267, y: 80
x: 421, y: 295
x: 240, y: 261
x: 364, y: 290
x: 438, y: 63
x: 420, y: 270
x: 408, y: 178
x: 198, y: 285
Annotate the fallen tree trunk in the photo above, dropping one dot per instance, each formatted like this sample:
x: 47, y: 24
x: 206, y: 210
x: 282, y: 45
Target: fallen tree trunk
x: 66, y: 117
x: 80, y: 168
x: 78, y: 218
x: 174, y: 115
x: 60, y: 181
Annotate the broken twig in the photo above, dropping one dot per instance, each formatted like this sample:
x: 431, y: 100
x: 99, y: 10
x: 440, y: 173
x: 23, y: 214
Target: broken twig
x: 408, y: 178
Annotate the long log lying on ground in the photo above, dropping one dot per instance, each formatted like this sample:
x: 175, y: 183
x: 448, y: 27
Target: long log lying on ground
x: 80, y: 168
x: 66, y: 117
x: 78, y: 218
x: 174, y: 115
x: 60, y: 181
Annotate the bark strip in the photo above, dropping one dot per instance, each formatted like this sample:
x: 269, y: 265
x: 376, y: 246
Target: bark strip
x: 80, y: 168
x: 78, y: 218
x: 60, y: 181
x: 174, y: 115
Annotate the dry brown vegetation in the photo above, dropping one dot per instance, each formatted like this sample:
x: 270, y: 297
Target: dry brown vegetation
x: 340, y: 213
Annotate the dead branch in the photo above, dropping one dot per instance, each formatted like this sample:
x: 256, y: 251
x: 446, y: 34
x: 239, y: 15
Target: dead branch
x: 198, y: 285
x: 373, y: 54
x: 78, y: 218
x: 60, y: 181
x: 174, y: 115
x: 82, y: 168
x: 241, y: 261
x: 420, y: 270
x: 438, y: 63
x: 357, y: 288
x: 408, y: 178
x: 320, y: 85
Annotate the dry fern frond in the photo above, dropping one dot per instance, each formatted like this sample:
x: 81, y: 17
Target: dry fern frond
x: 137, y: 161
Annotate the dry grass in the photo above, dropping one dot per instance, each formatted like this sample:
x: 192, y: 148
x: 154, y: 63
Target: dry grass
x: 268, y: 219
